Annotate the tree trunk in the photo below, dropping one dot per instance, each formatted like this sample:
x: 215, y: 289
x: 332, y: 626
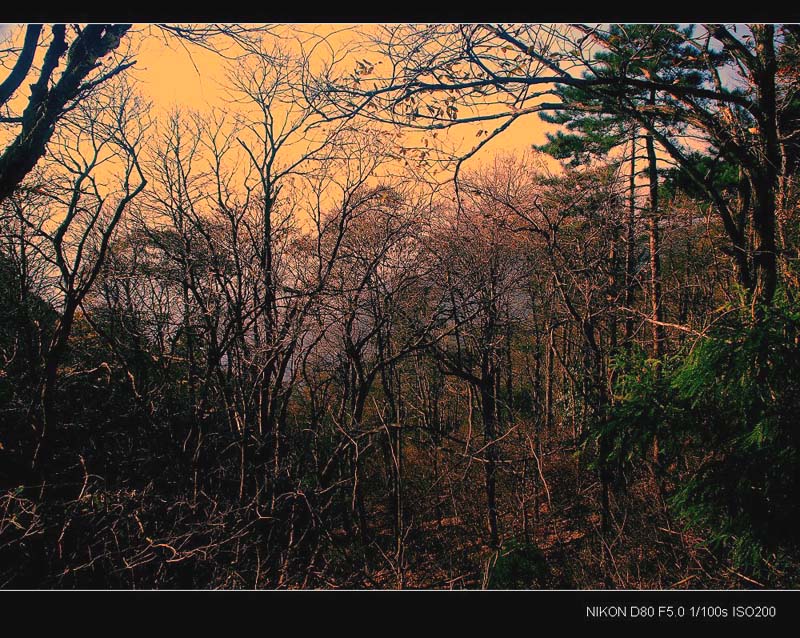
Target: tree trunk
x: 42, y: 412
x: 630, y: 247
x: 655, y: 257
x: 766, y: 182
x: 488, y: 414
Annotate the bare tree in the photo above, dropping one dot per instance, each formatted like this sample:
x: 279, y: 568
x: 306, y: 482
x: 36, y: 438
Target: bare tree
x: 442, y: 76
x: 72, y: 229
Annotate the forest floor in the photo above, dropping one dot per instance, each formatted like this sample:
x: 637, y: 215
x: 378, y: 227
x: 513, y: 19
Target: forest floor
x: 646, y: 549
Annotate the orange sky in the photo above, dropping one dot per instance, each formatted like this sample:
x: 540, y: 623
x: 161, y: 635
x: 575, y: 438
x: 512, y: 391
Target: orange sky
x: 174, y: 74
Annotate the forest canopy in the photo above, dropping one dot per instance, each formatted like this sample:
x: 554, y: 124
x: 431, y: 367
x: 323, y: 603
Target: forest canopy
x: 327, y: 331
